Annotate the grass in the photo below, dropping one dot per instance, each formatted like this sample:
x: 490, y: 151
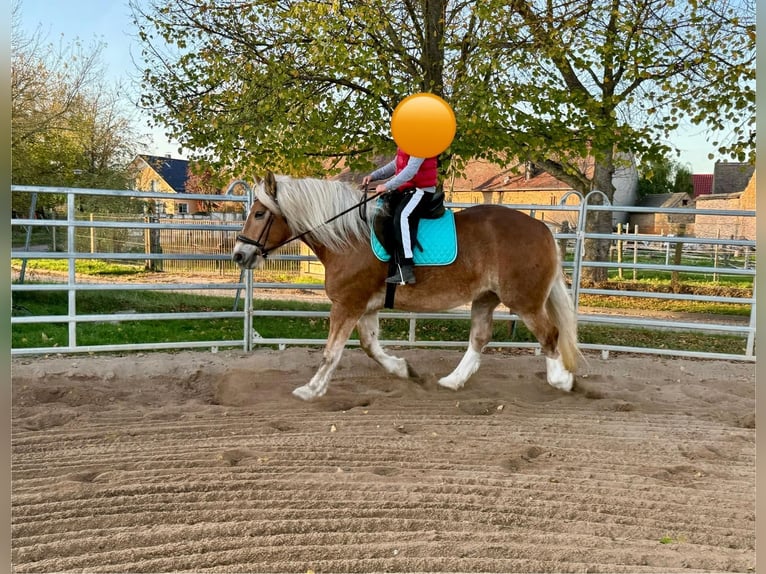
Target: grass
x: 649, y: 279
x: 654, y: 277
x: 177, y: 330
x: 39, y: 235
x: 123, y: 332
x: 672, y: 305
x: 91, y: 267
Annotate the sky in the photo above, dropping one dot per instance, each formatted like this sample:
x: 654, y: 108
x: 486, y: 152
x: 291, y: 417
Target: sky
x: 109, y: 21
x: 99, y: 21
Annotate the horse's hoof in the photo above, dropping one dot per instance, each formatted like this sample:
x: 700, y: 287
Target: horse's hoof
x: 564, y: 383
x: 558, y: 377
x: 451, y: 383
x: 305, y: 393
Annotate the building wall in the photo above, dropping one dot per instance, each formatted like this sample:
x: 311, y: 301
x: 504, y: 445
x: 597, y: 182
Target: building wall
x: 736, y: 227
x: 747, y: 201
x: 536, y: 198
x: 661, y: 224
x: 148, y: 179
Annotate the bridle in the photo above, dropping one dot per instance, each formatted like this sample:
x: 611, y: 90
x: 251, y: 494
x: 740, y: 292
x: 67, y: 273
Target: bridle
x: 260, y: 243
x: 260, y: 246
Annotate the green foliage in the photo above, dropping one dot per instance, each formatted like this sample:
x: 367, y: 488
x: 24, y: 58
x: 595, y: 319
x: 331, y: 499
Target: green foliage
x: 68, y: 128
x: 664, y: 176
x: 287, y: 85
x: 575, y: 87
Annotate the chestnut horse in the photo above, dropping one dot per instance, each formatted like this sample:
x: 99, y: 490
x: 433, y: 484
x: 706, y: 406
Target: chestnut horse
x: 504, y: 256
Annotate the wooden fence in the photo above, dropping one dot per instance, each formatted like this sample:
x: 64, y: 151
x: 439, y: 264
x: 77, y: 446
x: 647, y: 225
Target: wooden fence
x: 174, y: 241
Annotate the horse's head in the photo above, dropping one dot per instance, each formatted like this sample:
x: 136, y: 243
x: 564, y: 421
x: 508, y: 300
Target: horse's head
x: 264, y: 228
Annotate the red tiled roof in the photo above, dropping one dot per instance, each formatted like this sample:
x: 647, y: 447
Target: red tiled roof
x: 483, y: 175
x: 702, y: 183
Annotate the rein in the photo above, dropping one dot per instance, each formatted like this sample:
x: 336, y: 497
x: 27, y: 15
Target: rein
x: 361, y: 206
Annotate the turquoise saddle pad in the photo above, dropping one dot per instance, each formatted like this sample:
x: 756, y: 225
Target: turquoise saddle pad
x: 436, y: 236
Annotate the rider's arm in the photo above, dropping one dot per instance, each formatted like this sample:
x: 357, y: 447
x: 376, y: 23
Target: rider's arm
x: 384, y: 172
x: 409, y: 171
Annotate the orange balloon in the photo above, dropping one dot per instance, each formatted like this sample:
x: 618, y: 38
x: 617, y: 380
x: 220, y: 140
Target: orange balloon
x: 423, y: 125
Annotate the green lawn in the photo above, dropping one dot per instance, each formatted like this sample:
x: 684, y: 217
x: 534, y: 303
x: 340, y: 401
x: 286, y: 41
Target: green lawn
x: 178, y: 330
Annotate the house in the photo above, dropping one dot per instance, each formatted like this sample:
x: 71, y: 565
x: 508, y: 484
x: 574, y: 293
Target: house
x: 731, y: 177
x: 731, y: 227
x: 163, y: 173
x: 528, y: 184
x: 663, y: 223
x: 518, y: 183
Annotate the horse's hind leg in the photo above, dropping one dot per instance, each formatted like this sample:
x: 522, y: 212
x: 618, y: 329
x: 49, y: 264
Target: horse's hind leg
x: 368, y: 327
x: 341, y: 324
x: 481, y: 333
x: 547, y: 334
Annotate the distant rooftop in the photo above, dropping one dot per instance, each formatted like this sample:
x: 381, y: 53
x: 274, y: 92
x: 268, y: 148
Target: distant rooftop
x: 702, y: 183
x: 173, y: 171
x: 731, y: 177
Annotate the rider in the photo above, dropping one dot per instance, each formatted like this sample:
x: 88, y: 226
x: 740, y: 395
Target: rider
x: 415, y: 179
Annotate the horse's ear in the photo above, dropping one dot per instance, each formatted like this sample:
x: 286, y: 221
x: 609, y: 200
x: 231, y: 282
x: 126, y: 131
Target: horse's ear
x: 270, y: 184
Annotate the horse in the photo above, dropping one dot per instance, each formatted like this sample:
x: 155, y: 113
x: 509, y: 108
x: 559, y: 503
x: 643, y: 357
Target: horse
x: 504, y: 256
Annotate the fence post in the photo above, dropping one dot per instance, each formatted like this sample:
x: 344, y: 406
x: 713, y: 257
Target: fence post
x: 619, y: 250
x: 750, y: 346
x: 578, y: 245
x: 635, y: 251
x: 92, y: 236
x: 72, y: 271
x: 28, y: 242
x: 677, y: 257
x: 152, y: 241
x: 716, y: 247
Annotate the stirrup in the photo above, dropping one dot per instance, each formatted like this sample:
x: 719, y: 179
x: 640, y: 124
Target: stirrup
x: 403, y: 276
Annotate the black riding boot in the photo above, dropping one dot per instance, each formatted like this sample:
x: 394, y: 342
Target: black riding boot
x: 404, y: 273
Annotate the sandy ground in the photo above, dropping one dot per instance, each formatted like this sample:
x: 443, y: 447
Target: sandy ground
x: 203, y: 462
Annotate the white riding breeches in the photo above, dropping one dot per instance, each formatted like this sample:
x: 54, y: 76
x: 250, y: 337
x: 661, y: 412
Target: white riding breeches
x: 404, y: 224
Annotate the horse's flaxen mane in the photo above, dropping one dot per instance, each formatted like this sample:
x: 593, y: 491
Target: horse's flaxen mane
x: 308, y: 203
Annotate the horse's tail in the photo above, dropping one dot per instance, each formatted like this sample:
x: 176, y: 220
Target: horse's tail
x: 561, y: 310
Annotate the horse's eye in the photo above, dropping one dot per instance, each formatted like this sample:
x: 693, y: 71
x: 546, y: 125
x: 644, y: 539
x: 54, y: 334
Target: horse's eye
x: 259, y: 215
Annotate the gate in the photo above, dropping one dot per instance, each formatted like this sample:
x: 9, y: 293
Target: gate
x: 716, y: 257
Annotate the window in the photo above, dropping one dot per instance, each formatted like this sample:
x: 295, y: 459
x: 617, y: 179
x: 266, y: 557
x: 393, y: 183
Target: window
x: 182, y: 208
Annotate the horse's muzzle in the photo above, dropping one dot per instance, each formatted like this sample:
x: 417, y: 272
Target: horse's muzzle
x: 246, y: 256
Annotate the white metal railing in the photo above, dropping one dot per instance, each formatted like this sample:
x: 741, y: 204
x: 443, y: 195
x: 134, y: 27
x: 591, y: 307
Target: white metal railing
x: 245, y: 284
x: 73, y: 286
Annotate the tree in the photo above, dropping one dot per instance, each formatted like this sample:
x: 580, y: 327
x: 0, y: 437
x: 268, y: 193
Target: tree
x: 68, y: 127
x: 287, y: 85
x: 619, y: 76
x: 201, y: 179
x: 664, y: 176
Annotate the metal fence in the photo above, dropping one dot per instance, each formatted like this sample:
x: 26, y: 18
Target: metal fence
x: 196, y: 243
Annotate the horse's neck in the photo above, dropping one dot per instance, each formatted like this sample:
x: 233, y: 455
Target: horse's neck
x: 330, y: 258
x: 319, y: 250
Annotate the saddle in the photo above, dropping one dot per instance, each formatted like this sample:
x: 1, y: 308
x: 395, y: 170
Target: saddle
x: 433, y: 233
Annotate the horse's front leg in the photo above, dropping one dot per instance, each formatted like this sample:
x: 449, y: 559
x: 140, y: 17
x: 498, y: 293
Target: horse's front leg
x: 341, y: 324
x: 369, y: 328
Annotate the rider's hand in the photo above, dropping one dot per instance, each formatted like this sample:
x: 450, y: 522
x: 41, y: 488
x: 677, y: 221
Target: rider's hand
x: 366, y: 180
x: 381, y: 188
